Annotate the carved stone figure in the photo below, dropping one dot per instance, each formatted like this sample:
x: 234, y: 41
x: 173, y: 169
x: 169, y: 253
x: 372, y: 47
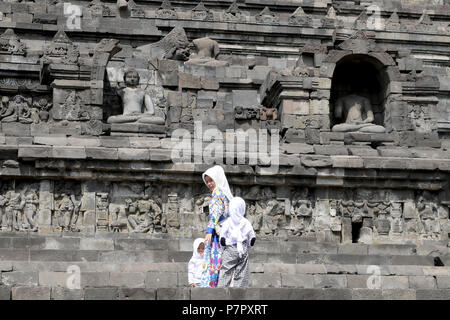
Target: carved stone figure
x: 9, y: 212
x: 147, y: 216
x: 170, y: 219
x: 42, y: 106
x: 356, y: 112
x: 268, y: 114
x: 205, y: 53
x: 119, y: 220
x: 301, y: 213
x: 174, y: 46
x: 67, y: 213
x: 428, y: 218
x: 16, y: 204
x: 255, y: 217
x: 102, y: 211
x: 30, y: 211
x: 273, y: 211
x: 138, y: 106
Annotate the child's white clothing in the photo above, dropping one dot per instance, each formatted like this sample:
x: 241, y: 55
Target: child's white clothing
x: 238, y: 233
x: 195, y: 266
x: 237, y: 229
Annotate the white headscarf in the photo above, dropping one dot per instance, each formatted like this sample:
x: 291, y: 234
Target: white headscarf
x: 195, y: 254
x: 237, y: 223
x: 218, y: 175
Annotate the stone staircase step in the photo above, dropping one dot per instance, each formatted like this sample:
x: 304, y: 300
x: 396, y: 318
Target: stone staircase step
x: 107, y: 242
x: 262, y: 294
x: 282, y: 268
x: 158, y: 278
x: 184, y: 256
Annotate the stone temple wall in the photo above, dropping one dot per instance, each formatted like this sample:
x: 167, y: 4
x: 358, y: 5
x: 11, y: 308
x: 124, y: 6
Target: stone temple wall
x: 73, y: 161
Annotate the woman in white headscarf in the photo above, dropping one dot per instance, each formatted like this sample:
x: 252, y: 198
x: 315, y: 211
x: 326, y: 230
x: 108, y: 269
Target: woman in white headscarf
x: 216, y: 181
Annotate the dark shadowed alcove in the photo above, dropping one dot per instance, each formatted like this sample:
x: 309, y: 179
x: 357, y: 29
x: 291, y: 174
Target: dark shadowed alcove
x: 362, y: 75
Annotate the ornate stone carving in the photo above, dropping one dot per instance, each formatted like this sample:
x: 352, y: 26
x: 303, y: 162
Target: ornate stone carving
x: 67, y: 210
x: 166, y: 11
x: 17, y: 109
x: 200, y: 12
x: 99, y: 9
x: 11, y: 44
x: 61, y: 50
x: 144, y: 215
x: 234, y: 13
x: 300, y: 217
x: 272, y: 215
x: 135, y: 10
x: 393, y: 23
x: 138, y: 105
x: 42, y: 106
x: 30, y: 210
x: 171, y: 216
x: 421, y: 118
x: 174, y: 46
x: 299, y: 18
x: 241, y: 113
x: 268, y: 114
x: 267, y: 17
x: 205, y: 53
x: 102, y: 211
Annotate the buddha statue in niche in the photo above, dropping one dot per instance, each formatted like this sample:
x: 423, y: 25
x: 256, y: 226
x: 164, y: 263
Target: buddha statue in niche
x: 138, y: 106
x: 356, y: 114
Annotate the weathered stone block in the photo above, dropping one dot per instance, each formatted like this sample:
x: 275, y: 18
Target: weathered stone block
x: 297, y: 280
x: 69, y: 152
x: 15, y: 278
x: 422, y: 282
x: 330, y: 281
x: 161, y: 280
x: 188, y: 81
x: 102, y: 153
x: 295, y: 107
x: 61, y: 293
x: 173, y: 294
x: 394, y: 282
x: 5, y: 292
x: 137, y: 294
x: 129, y: 154
x: 131, y: 280
x: 35, y: 152
x: 30, y: 293
x: 16, y: 129
x: 265, y: 280
x: 101, y: 294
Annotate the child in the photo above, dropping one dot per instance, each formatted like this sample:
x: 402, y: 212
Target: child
x: 195, y: 266
x: 236, y: 236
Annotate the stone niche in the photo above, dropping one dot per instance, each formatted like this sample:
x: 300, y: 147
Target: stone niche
x: 353, y: 85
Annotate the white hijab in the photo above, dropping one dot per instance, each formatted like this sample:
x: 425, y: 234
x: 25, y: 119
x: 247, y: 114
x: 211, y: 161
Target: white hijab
x: 237, y: 223
x: 218, y: 175
x: 196, y: 255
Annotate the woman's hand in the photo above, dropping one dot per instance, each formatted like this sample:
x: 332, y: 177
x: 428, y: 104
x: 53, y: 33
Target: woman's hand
x: 208, y: 237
